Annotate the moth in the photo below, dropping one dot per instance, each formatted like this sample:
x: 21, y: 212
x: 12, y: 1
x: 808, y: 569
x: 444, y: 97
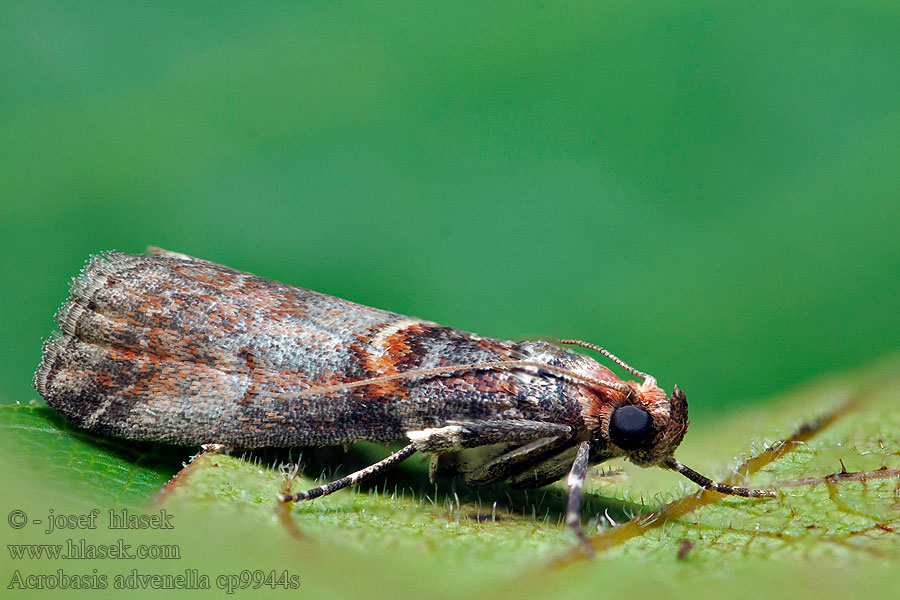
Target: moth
x: 176, y: 349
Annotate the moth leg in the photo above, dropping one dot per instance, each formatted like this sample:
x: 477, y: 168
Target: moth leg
x: 434, y: 465
x: 517, y: 461
x: 545, y: 472
x: 575, y: 482
x: 554, y: 467
x: 471, y: 434
x: 353, y: 478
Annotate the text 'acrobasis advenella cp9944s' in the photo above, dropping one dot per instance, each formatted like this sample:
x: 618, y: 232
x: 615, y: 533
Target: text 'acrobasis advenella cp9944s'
x: 181, y: 350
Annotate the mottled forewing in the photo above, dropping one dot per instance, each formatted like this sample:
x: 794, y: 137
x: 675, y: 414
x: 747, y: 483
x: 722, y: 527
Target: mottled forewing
x: 178, y: 349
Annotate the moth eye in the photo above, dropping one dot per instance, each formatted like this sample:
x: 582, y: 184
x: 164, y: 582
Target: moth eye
x: 630, y: 427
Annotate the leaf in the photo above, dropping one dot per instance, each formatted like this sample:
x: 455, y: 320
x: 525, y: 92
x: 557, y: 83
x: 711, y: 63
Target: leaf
x: 819, y: 538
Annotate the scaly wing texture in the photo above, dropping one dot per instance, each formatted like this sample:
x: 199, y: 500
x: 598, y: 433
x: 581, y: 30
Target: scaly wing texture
x: 177, y: 349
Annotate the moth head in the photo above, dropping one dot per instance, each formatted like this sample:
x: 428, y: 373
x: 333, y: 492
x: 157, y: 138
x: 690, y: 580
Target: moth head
x: 647, y: 427
x: 644, y: 424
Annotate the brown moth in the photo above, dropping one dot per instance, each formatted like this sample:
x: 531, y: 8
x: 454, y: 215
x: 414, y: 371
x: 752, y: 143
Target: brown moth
x: 176, y: 349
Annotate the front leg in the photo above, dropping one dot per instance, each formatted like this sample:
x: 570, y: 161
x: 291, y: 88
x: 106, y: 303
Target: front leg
x: 575, y: 481
x: 471, y: 434
x: 554, y: 467
x: 522, y: 459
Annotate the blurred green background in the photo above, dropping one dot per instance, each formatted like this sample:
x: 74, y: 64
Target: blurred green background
x: 709, y: 189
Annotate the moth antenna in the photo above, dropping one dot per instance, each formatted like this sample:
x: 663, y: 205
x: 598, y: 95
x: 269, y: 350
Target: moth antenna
x: 707, y: 483
x: 608, y: 355
x: 445, y: 369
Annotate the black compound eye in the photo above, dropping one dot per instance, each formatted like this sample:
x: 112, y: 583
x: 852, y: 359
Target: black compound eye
x: 630, y: 427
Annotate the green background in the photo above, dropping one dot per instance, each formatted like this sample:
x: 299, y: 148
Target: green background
x: 708, y: 189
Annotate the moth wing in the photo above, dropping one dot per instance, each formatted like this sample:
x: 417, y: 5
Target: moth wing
x: 182, y: 350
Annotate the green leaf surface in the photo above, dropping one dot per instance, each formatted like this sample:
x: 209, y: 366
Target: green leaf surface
x: 821, y: 536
